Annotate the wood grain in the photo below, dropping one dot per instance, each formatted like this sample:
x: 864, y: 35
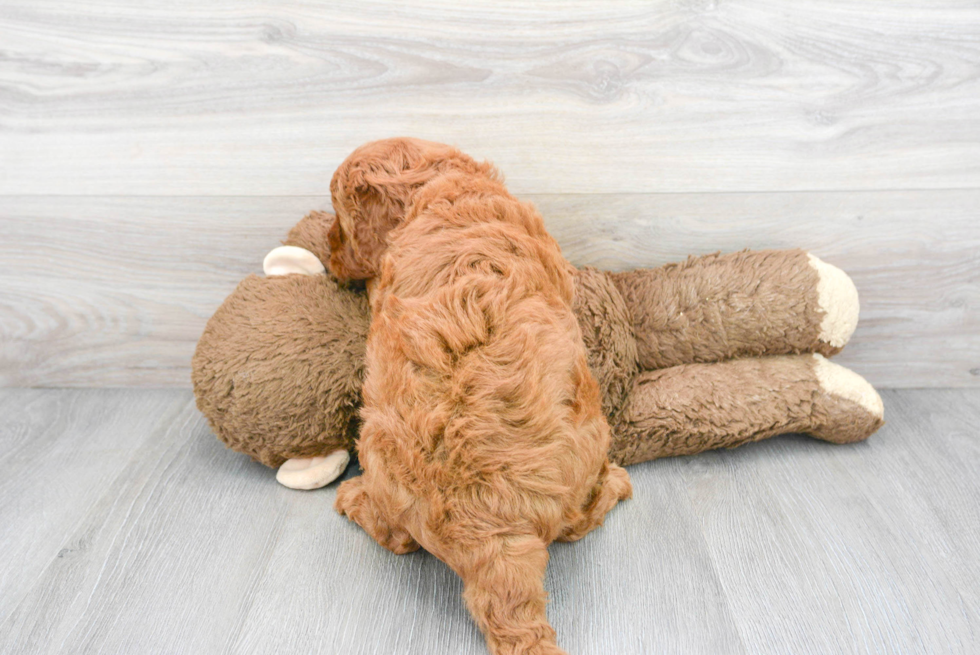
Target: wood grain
x: 870, y: 549
x: 129, y: 528
x: 60, y: 453
x: 189, y: 98
x: 116, y: 291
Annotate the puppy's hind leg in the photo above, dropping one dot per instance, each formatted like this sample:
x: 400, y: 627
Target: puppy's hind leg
x: 504, y: 589
x: 613, y: 486
x: 354, y: 501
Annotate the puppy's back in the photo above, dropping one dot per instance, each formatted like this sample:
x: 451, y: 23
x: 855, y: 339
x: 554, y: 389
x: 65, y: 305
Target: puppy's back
x: 485, y: 385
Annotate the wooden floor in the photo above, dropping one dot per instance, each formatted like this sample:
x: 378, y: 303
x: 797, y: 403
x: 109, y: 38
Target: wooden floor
x: 128, y: 528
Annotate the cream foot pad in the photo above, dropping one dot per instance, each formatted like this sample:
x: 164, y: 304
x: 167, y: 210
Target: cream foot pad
x: 838, y: 298
x: 845, y: 383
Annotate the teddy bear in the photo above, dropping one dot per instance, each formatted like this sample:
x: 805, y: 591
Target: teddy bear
x: 709, y: 353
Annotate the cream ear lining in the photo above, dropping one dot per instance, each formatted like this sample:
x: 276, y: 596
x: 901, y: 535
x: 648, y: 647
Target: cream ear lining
x: 288, y: 260
x: 312, y: 472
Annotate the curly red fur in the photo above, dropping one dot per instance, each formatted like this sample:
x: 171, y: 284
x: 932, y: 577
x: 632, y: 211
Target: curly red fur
x: 483, y: 437
x: 371, y: 191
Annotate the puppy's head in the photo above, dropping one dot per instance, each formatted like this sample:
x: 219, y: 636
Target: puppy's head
x: 373, y: 189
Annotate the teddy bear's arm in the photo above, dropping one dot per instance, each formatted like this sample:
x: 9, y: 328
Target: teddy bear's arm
x: 750, y: 303
x: 687, y: 409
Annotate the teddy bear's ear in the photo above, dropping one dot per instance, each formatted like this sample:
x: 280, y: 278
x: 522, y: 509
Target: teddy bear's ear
x: 286, y: 260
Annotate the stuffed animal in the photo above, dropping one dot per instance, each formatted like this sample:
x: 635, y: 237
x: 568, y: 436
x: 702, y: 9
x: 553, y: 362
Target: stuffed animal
x: 483, y: 436
x: 279, y: 369
x: 713, y: 352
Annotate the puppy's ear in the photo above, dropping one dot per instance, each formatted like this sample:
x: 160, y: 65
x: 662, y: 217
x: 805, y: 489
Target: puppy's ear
x: 372, y: 192
x: 345, y: 262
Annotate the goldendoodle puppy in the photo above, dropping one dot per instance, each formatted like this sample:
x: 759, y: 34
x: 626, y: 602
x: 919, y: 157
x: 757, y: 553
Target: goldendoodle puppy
x: 483, y: 438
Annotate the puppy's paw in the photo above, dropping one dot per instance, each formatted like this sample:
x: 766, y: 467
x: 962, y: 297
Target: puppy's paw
x: 350, y: 496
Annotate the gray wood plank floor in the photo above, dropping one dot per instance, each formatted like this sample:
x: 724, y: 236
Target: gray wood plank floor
x: 126, y: 527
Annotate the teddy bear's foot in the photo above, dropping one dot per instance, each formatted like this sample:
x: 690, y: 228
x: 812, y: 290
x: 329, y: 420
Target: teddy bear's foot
x: 312, y: 472
x: 846, y: 408
x: 838, y: 300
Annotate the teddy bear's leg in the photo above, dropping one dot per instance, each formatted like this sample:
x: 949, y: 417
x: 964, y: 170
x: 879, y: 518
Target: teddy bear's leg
x: 354, y: 501
x: 614, y: 486
x: 750, y: 303
x: 688, y: 409
x: 503, y: 578
x: 312, y: 472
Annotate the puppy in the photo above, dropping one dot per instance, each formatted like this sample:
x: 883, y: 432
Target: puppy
x: 483, y: 438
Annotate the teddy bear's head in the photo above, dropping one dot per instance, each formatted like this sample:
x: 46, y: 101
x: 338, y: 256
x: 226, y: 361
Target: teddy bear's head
x: 279, y: 368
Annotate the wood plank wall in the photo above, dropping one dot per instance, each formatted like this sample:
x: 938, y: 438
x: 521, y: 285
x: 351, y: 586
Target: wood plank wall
x: 151, y: 152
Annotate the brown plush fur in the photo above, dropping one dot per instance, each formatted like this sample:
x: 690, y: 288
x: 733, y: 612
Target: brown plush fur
x: 311, y: 233
x: 690, y: 408
x: 483, y: 437
x: 279, y: 368
x: 607, y: 331
x: 275, y: 414
x: 718, y: 307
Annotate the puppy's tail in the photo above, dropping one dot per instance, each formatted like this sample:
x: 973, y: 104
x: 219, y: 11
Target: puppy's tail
x: 504, y: 590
